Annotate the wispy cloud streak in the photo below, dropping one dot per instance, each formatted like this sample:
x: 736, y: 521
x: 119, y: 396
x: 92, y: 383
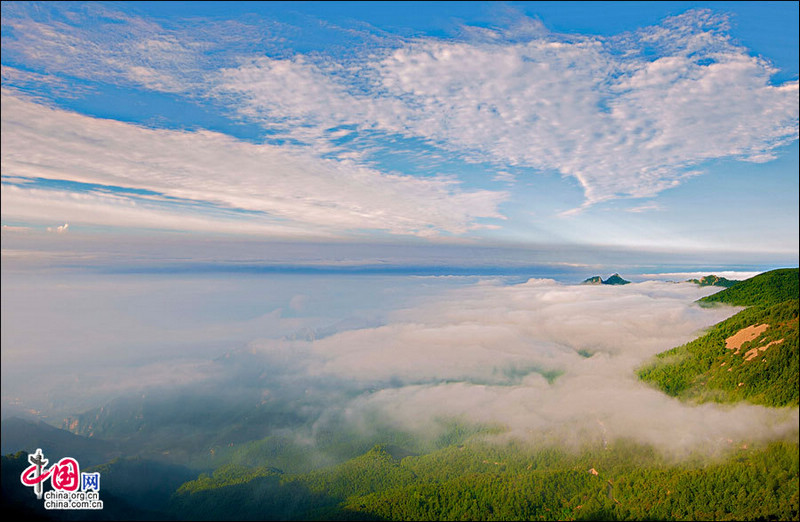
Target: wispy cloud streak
x: 287, y: 187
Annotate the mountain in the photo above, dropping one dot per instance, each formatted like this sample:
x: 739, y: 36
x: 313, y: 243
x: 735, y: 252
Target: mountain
x: 315, y: 495
x: 615, y: 279
x: 26, y: 435
x: 20, y: 500
x: 712, y: 280
x: 752, y: 356
x: 765, y: 289
x: 184, y: 425
x: 147, y: 484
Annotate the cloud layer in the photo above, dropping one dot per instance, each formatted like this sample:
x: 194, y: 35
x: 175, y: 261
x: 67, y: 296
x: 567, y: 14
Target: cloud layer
x: 539, y: 359
x: 625, y: 116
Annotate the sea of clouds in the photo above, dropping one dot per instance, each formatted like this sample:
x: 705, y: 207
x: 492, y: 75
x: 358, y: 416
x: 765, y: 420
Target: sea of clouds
x: 539, y: 360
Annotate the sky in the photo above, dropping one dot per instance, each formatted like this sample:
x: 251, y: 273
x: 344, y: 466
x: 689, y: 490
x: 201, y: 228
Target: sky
x: 665, y: 127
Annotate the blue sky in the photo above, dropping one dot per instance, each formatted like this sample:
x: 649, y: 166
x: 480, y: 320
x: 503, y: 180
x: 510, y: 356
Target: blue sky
x: 666, y: 126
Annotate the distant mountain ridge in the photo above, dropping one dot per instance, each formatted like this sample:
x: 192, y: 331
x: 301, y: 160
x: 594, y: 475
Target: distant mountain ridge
x: 26, y: 435
x: 614, y: 279
x: 713, y: 280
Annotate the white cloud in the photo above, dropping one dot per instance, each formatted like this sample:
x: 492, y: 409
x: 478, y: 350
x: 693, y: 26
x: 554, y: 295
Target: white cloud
x: 61, y: 229
x: 645, y: 208
x: 621, y: 123
x: 476, y: 332
x: 31, y: 81
x: 97, y: 208
x: 290, y: 188
x: 505, y: 177
x: 15, y: 229
x: 480, y: 353
x: 115, y: 47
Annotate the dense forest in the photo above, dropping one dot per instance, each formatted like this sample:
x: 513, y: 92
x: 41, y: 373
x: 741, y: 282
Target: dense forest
x: 762, y: 370
x: 769, y: 288
x: 751, y: 356
x: 483, y: 481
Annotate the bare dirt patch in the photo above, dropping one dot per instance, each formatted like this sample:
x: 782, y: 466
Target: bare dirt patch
x: 735, y: 341
x: 753, y: 353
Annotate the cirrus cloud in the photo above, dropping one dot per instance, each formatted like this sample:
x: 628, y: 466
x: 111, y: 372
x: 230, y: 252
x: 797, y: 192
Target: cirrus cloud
x: 279, y: 186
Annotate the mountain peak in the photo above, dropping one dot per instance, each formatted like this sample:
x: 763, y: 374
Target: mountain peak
x: 614, y: 279
x: 713, y: 280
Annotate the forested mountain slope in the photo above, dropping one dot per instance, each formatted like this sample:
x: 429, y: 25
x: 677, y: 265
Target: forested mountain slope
x: 485, y: 482
x: 769, y: 288
x: 751, y: 356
